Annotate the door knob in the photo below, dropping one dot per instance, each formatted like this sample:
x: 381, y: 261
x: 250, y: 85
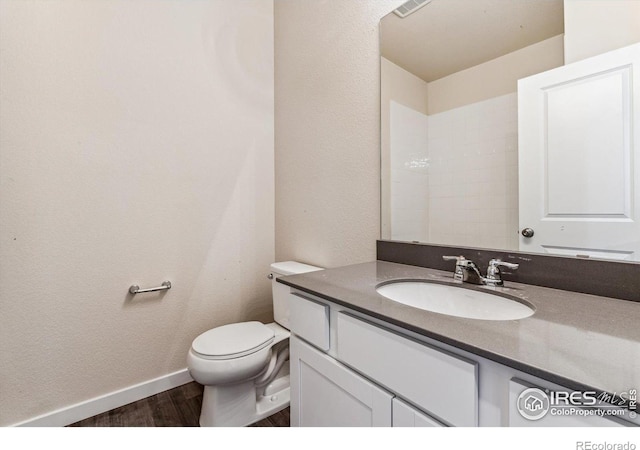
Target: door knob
x: 527, y: 232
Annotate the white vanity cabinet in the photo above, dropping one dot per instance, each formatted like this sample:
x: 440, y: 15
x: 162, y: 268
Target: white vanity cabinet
x: 354, y: 373
x: 350, y: 369
x: 326, y: 392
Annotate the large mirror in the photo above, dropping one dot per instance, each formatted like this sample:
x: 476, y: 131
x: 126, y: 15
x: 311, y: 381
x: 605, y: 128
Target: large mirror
x: 449, y: 119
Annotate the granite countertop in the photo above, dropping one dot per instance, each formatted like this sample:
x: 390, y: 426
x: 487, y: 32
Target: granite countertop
x: 581, y: 341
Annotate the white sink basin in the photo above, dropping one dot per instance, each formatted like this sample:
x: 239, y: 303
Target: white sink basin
x: 454, y: 301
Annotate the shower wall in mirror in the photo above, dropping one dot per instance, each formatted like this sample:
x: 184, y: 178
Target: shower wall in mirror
x: 502, y: 130
x: 449, y: 116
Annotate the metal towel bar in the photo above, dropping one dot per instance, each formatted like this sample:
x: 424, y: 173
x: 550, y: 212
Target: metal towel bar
x: 135, y: 289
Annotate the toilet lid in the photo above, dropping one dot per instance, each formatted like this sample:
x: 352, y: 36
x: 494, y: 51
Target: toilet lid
x: 233, y: 340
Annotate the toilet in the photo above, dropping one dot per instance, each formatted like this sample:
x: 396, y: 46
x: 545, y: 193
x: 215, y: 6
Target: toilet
x: 244, y: 366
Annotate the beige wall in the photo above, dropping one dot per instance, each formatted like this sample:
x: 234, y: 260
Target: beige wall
x: 136, y: 146
x: 407, y: 89
x: 496, y: 77
x: 597, y: 26
x: 328, y: 130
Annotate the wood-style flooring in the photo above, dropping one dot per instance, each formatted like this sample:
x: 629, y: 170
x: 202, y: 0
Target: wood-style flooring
x: 179, y: 407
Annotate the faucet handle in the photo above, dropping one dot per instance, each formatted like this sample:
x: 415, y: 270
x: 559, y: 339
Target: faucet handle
x: 494, y: 276
x: 454, y: 258
x: 495, y: 263
x: 461, y: 262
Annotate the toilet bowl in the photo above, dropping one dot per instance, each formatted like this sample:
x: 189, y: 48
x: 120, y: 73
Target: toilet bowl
x: 244, y: 366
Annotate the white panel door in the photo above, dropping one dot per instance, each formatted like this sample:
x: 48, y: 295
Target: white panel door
x: 579, y: 157
x: 324, y: 393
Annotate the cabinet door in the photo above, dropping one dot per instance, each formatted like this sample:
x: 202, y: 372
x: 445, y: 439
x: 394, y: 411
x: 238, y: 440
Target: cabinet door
x: 405, y: 415
x: 324, y: 393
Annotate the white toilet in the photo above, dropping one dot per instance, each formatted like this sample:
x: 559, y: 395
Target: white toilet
x: 244, y: 366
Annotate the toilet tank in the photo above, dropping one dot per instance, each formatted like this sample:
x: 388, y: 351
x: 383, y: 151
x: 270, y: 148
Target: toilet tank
x: 281, y: 291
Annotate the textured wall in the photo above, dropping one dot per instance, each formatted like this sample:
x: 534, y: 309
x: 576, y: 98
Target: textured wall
x: 136, y: 147
x: 328, y: 129
x: 592, y: 27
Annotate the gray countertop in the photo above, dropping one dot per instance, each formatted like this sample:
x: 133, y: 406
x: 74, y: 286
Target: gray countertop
x: 584, y: 342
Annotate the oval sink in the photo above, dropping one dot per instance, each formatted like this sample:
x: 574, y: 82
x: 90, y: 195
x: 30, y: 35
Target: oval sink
x: 454, y: 300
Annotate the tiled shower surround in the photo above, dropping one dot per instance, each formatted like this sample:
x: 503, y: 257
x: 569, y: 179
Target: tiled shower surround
x: 462, y: 189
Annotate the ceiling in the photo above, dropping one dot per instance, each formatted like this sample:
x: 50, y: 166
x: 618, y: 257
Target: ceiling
x: 447, y: 36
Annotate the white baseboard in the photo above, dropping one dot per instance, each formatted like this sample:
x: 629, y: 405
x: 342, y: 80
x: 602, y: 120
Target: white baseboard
x: 98, y: 405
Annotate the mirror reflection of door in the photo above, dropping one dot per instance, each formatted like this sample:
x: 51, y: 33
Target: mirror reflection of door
x: 579, y: 164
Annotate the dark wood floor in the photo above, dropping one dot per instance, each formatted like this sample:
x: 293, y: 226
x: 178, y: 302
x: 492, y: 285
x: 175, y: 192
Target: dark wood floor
x: 179, y: 407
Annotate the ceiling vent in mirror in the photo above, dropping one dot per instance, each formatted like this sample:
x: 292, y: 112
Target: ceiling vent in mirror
x: 409, y: 7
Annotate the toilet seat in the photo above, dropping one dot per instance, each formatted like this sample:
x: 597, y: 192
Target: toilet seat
x: 233, y: 341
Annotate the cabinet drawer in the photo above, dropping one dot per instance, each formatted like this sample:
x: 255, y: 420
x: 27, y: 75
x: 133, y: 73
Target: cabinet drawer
x: 442, y: 384
x: 310, y: 320
x: 517, y: 419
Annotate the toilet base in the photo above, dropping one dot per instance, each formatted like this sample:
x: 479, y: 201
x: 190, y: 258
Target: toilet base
x: 239, y: 405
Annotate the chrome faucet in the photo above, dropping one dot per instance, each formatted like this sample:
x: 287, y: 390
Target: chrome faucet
x: 468, y: 272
